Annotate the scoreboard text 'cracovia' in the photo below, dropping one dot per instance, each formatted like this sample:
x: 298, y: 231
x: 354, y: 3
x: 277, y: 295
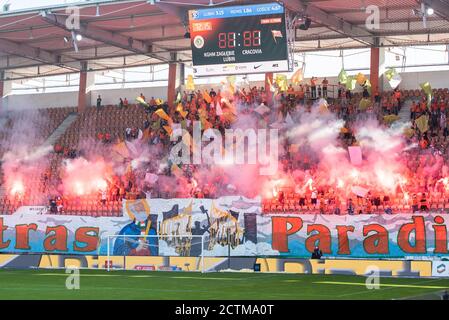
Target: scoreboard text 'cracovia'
x: 239, y: 40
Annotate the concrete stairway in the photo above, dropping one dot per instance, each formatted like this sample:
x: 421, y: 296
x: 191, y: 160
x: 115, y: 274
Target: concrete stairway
x: 404, y: 113
x: 51, y: 140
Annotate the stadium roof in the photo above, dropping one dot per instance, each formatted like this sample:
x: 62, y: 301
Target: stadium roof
x: 117, y: 34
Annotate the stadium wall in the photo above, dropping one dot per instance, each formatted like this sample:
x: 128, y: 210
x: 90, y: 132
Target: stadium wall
x: 70, y: 98
x: 410, y: 80
x: 362, y: 267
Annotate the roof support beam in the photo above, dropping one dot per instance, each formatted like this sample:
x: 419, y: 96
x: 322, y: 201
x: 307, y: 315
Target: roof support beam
x: 107, y: 37
x: 26, y: 51
x: 332, y: 22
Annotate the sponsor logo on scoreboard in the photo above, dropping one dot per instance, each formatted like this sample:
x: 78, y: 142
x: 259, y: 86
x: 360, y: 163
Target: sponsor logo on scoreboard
x: 242, y: 68
x: 198, y: 42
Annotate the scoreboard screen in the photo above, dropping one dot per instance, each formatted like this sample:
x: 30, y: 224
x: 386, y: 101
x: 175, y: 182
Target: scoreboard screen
x: 239, y: 40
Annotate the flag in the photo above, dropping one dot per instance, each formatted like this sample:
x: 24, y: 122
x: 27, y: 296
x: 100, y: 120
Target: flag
x: 355, y: 155
x: 142, y: 102
x: 360, y: 78
x: 409, y: 132
x: 343, y: 76
x: 426, y: 88
x: 168, y: 129
x: 391, y: 118
x: 181, y: 111
x: 390, y: 73
x: 297, y: 77
x: 272, y: 88
x: 231, y: 81
x: 207, y: 97
x: 162, y: 114
x: 190, y: 84
x: 350, y: 83
x: 395, y: 81
x: 281, y: 81
x: 422, y: 123
x: 364, y: 104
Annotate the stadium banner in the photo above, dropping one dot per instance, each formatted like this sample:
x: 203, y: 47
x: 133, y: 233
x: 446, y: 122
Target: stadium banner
x: 229, y: 223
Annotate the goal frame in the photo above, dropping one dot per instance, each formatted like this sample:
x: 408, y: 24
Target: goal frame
x: 116, y: 236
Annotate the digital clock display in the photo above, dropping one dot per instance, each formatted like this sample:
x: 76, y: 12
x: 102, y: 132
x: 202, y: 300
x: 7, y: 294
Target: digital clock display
x: 239, y: 40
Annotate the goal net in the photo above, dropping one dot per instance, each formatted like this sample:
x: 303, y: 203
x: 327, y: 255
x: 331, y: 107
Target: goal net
x: 155, y: 252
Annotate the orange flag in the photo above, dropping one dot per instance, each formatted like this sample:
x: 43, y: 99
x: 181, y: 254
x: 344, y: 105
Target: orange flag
x: 168, y: 129
x: 207, y: 97
x: 161, y: 113
x: 181, y: 111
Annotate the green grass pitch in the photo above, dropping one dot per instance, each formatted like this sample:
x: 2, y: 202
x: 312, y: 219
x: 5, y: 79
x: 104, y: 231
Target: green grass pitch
x: 97, y: 284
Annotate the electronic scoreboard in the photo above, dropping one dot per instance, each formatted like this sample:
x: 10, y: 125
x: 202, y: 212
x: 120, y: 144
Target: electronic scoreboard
x: 239, y: 40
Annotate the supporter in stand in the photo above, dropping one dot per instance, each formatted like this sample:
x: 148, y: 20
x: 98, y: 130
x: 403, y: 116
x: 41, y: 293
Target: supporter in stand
x: 99, y: 102
x: 324, y: 84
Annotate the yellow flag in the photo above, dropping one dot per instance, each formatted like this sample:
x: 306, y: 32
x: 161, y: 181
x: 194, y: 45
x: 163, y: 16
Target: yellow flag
x: 281, y: 81
x: 364, y: 104
x: 181, y: 111
x: 391, y: 118
x: 162, y: 114
x: 422, y: 123
x: 140, y: 101
x: 409, y: 132
x: 190, y: 85
x: 360, y: 78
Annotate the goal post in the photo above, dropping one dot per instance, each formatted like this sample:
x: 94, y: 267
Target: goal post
x: 122, y: 247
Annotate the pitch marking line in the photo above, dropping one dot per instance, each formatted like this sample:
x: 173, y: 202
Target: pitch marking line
x: 381, y: 285
x: 136, y: 276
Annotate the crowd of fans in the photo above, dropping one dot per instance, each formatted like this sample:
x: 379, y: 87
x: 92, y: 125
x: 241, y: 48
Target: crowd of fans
x: 157, y: 178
